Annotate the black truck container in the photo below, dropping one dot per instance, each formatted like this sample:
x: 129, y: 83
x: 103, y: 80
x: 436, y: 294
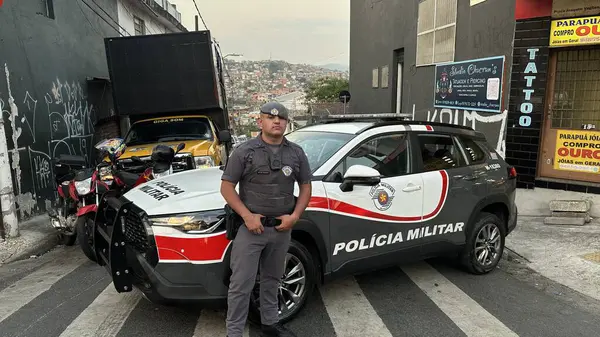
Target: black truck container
x: 167, y: 74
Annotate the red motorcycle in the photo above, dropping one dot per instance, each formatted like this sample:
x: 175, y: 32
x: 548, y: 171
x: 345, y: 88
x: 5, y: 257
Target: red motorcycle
x: 108, y: 178
x: 74, y: 187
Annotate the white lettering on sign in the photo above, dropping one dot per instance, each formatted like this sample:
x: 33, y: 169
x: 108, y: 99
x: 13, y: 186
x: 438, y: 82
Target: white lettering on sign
x: 527, y: 107
x: 392, y: 238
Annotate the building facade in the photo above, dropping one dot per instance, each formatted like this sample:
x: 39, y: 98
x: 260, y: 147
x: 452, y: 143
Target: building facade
x: 53, y: 88
x: 526, y: 73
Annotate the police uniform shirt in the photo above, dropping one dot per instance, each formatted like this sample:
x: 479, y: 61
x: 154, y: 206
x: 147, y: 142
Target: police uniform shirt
x: 237, y: 168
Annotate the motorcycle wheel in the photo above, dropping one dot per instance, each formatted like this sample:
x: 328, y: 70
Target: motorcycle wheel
x: 67, y: 239
x: 85, y: 237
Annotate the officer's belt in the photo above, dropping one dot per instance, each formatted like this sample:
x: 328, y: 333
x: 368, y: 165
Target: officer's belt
x: 270, y: 221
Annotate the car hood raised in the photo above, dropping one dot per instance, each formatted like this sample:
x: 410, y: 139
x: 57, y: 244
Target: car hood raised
x: 182, y: 192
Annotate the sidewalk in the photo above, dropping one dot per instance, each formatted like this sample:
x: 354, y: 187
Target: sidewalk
x: 37, y: 237
x: 569, y: 255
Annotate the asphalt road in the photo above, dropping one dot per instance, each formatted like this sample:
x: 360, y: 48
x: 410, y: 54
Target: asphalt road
x: 63, y: 294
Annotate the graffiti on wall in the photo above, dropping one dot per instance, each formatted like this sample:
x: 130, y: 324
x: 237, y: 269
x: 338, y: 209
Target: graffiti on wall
x: 43, y: 126
x: 494, y: 124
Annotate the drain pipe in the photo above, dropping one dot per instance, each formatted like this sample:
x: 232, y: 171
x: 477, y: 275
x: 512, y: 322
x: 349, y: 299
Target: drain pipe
x: 7, y: 196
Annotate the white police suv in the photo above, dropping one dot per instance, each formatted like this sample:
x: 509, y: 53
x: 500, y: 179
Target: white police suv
x: 385, y: 191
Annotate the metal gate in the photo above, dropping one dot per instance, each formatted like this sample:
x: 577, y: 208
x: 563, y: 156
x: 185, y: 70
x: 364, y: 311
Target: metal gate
x: 573, y: 104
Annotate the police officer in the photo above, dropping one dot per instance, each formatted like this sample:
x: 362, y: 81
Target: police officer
x: 266, y: 168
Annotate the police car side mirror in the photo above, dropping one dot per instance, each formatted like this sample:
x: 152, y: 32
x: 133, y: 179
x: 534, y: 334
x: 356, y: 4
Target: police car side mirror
x: 359, y: 175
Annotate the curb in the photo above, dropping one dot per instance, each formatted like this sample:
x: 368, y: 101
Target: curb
x: 43, y: 245
x: 511, y: 255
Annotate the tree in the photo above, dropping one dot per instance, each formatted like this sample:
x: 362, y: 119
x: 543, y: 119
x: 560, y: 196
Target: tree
x: 326, y: 89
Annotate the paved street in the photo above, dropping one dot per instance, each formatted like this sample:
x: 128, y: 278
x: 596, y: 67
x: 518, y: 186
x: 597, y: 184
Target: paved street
x: 63, y: 294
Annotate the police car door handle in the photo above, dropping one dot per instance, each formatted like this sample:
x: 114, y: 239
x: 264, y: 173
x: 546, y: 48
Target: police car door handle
x: 411, y: 188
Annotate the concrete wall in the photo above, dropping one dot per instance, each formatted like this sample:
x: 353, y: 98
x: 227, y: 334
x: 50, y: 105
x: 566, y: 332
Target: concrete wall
x: 43, y: 91
x: 378, y: 28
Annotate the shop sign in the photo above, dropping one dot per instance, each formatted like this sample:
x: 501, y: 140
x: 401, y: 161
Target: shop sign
x: 575, y: 32
x: 577, y: 151
x: 470, y: 85
x: 530, y: 74
x: 573, y: 8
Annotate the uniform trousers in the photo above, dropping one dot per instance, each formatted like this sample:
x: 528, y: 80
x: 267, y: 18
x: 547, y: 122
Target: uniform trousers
x: 250, y: 252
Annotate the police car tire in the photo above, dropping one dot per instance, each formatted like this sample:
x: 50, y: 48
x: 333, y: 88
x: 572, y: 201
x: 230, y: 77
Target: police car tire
x: 304, y: 255
x: 468, y: 258
x: 83, y: 238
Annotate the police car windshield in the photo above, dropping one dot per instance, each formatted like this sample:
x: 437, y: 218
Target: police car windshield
x: 319, y: 146
x: 168, y: 130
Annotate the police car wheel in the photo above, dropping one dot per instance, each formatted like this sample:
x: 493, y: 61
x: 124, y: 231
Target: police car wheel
x: 297, y: 283
x: 85, y: 234
x: 485, y: 244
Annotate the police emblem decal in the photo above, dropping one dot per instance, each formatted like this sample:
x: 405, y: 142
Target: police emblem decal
x: 382, y: 195
x: 286, y: 170
x: 274, y: 112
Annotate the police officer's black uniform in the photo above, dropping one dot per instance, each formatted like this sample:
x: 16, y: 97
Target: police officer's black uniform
x: 266, y: 174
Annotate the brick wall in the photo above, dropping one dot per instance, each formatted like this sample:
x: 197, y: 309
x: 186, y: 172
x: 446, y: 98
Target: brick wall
x: 107, y: 128
x: 527, y: 96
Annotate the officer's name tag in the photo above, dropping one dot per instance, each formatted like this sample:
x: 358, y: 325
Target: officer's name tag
x: 263, y: 172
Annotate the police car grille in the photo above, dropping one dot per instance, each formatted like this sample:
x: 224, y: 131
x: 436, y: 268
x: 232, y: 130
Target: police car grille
x: 135, y: 232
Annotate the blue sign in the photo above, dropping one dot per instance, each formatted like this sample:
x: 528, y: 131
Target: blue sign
x: 470, y: 85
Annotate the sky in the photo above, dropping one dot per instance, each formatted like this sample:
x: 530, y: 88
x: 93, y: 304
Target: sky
x: 297, y: 31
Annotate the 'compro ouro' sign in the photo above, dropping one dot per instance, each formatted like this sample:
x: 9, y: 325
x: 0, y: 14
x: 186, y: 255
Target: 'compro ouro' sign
x: 575, y: 32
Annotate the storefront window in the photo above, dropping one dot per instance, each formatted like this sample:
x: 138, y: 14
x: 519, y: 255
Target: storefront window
x: 576, y: 103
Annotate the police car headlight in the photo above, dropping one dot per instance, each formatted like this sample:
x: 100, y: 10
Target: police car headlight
x: 204, y: 161
x: 83, y: 187
x: 194, y: 223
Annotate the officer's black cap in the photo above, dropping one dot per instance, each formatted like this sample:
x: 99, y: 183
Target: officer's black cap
x: 275, y: 109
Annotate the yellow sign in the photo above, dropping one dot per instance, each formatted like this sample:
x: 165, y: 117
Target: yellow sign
x: 575, y: 32
x: 577, y: 151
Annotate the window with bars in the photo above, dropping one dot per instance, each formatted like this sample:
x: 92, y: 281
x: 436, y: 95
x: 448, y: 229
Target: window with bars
x: 576, y: 101
x: 436, y: 31
x: 139, y: 26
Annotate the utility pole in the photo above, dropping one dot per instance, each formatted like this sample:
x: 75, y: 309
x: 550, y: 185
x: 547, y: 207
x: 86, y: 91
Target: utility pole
x: 7, y: 196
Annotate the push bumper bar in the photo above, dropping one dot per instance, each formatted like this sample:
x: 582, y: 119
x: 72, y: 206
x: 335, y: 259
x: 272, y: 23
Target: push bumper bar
x: 110, y: 240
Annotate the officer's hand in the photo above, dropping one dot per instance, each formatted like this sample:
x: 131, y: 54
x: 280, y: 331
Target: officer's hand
x: 287, y: 222
x: 253, y: 223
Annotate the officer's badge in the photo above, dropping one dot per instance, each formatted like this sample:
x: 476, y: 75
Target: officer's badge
x: 274, y: 112
x: 287, y: 170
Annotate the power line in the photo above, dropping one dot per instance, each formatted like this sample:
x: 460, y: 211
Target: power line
x: 110, y: 17
x: 101, y: 17
x: 200, y: 15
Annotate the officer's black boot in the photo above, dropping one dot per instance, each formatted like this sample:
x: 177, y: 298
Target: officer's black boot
x: 276, y: 330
